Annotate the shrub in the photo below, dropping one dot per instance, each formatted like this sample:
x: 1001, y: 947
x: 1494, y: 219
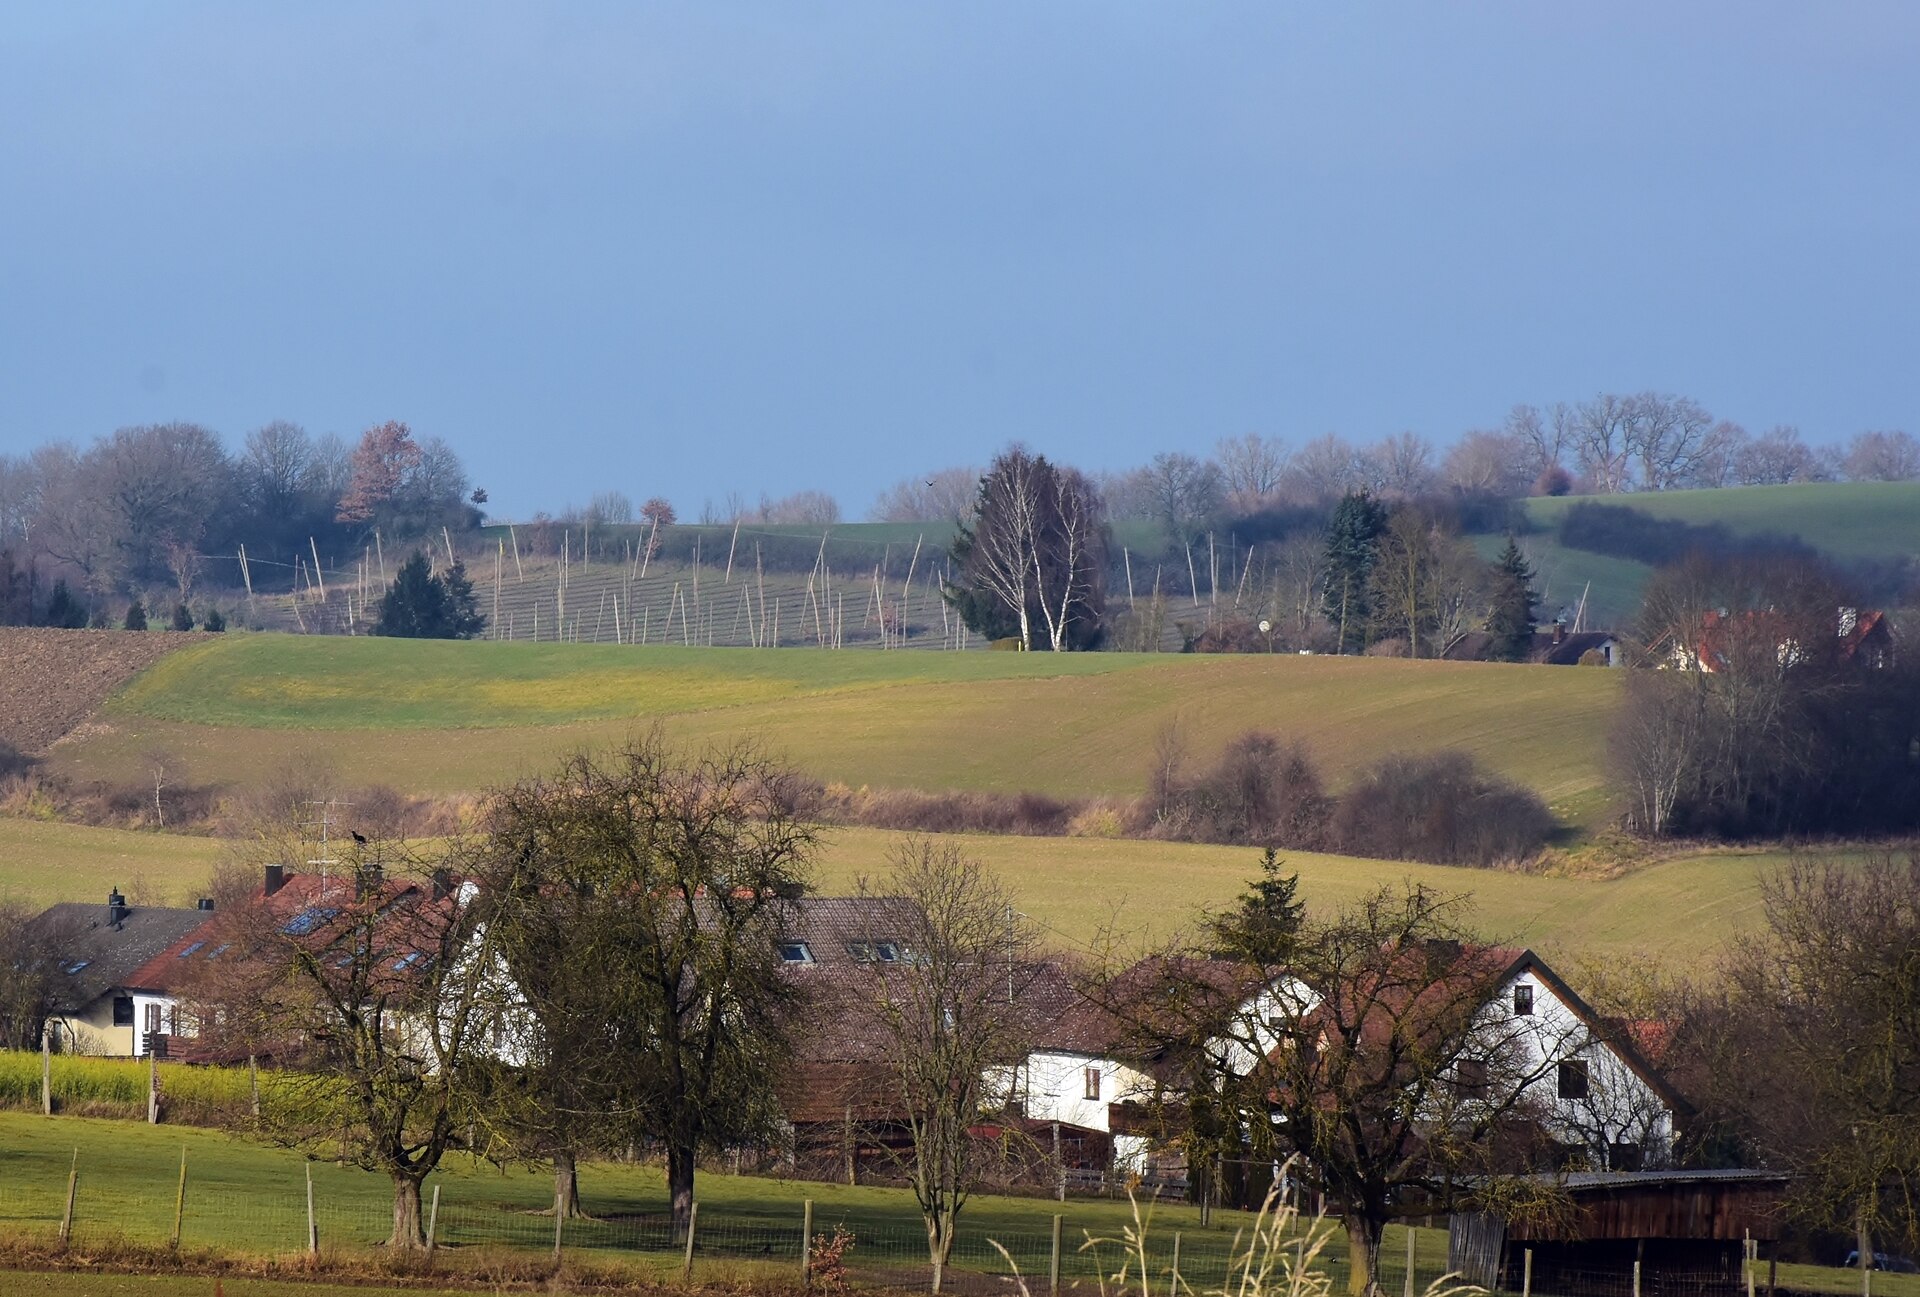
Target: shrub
x: 136, y: 618
x: 182, y: 617
x: 1262, y: 791
x: 1232, y: 637
x: 1440, y: 807
x: 215, y: 621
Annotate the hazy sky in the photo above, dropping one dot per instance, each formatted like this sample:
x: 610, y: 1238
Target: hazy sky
x: 709, y: 247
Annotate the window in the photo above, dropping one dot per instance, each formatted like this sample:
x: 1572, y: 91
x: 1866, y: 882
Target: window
x: 153, y: 1019
x: 1573, y: 1080
x: 1470, y: 1078
x: 73, y: 966
x: 874, y: 952
x: 1090, y: 1078
x: 188, y: 952
x: 1523, y: 1001
x: 220, y: 950
x: 862, y: 951
x: 412, y: 959
x: 886, y: 952
x: 1626, y: 1157
x: 308, y: 919
x: 796, y: 952
x: 123, y: 1010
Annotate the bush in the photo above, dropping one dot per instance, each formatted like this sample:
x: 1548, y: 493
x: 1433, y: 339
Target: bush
x: 214, y: 621
x: 136, y: 618
x: 1262, y: 791
x: 182, y: 617
x: 1440, y: 807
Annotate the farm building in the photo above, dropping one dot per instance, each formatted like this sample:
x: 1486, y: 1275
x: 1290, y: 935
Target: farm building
x: 1685, y: 1231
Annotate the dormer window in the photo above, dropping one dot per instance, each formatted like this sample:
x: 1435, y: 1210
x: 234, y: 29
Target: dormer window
x: 796, y: 952
x: 1523, y: 1001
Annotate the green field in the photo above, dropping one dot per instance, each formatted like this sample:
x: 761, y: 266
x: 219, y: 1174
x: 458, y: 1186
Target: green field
x: 1674, y: 911
x: 43, y: 861
x: 447, y: 717
x: 1847, y: 519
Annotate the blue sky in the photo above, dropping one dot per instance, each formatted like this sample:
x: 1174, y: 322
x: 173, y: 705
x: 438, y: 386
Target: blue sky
x: 702, y: 248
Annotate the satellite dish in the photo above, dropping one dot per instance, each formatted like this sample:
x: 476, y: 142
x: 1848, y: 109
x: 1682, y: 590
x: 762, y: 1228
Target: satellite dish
x: 1265, y: 625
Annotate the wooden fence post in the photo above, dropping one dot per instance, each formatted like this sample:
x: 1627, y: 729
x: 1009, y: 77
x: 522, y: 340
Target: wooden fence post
x: 806, y: 1243
x: 1408, y: 1288
x: 153, y: 1087
x: 1526, y: 1273
x: 1636, y: 1279
x: 693, y: 1220
x: 559, y: 1220
x: 179, y: 1201
x: 1053, y: 1265
x: 313, y: 1226
x: 46, y: 1070
x: 433, y: 1218
x: 1173, y: 1282
x: 73, y: 1188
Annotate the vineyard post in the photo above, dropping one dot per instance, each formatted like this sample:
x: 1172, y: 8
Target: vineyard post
x: 313, y: 1229
x: 179, y: 1201
x: 46, y: 1070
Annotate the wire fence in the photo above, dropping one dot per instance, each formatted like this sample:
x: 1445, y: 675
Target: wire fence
x: 94, y: 1211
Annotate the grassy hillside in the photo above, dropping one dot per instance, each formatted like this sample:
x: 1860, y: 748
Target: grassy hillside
x: 1677, y: 910
x: 43, y: 862
x: 1848, y: 519
x: 440, y: 716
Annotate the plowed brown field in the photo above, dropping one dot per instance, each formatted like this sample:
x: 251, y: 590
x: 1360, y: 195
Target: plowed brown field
x: 51, y: 680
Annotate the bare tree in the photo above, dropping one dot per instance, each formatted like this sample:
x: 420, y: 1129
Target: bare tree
x: 1548, y: 435
x: 952, y: 1017
x: 1775, y: 457
x: 1251, y: 469
x: 1676, y: 441
x: 1402, y: 465
x: 1602, y: 442
x: 30, y: 951
x: 942, y: 496
x: 380, y: 975
x: 1034, y: 552
x: 1185, y: 493
x: 1323, y: 469
x: 801, y: 509
x: 1494, y: 462
x: 1883, y: 457
x: 1299, y: 568
x: 609, y: 507
x: 1810, y: 1055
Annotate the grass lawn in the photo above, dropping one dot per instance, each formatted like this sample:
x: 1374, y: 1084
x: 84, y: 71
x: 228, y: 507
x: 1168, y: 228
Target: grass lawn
x: 250, y: 1198
x: 441, y: 717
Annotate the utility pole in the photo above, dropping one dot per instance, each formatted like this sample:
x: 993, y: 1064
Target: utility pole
x: 326, y: 860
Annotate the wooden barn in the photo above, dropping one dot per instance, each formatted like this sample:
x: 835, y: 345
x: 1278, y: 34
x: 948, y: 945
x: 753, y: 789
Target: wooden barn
x: 1686, y: 1231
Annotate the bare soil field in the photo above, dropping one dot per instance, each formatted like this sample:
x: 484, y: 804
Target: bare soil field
x: 51, y: 680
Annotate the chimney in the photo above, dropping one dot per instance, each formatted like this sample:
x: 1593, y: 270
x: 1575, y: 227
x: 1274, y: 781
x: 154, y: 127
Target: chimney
x: 1559, y: 632
x: 206, y: 903
x: 442, y: 884
x: 116, y: 908
x: 367, y: 882
x: 276, y: 879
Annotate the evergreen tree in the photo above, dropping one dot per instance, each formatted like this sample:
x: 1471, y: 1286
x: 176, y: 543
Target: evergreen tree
x: 1511, y: 622
x: 63, y: 609
x: 136, y: 617
x: 1353, y: 542
x: 1264, y: 923
x: 420, y: 605
x: 16, y: 591
x: 182, y: 617
x: 215, y: 621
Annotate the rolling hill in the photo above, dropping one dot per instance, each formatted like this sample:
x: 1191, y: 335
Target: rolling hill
x: 451, y: 717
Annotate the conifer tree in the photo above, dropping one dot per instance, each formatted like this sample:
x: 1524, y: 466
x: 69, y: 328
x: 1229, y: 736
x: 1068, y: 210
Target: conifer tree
x: 136, y: 618
x: 420, y: 605
x: 1511, y: 623
x: 63, y: 609
x: 1353, y: 542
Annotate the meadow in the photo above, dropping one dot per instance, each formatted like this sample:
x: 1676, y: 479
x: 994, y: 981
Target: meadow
x: 1080, y: 890
x: 1846, y: 519
x: 437, y: 717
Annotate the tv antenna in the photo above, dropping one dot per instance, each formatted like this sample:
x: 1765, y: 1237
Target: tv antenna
x: 326, y: 860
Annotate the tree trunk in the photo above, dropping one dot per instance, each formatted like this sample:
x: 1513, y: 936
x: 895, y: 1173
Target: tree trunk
x: 566, y: 1185
x: 409, y: 1235
x: 680, y: 1186
x: 1863, y: 1238
x: 1363, y: 1255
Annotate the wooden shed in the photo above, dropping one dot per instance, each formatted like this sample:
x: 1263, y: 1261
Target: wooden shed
x: 1686, y: 1230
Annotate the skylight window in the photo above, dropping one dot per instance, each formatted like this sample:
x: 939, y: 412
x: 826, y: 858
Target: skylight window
x: 73, y: 966
x: 220, y: 950
x: 307, y: 920
x: 796, y: 952
x: 189, y: 951
x: 412, y: 959
x: 874, y: 952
